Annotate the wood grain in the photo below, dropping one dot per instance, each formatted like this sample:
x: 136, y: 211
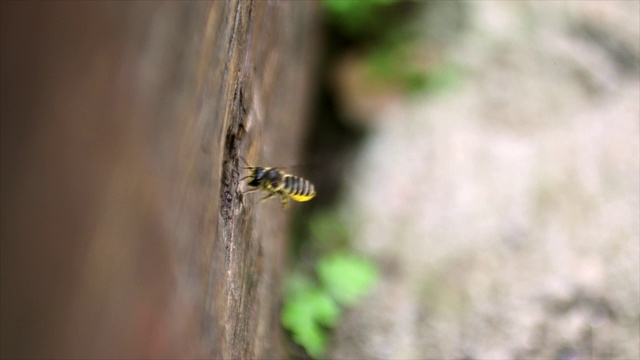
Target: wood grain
x: 124, y: 230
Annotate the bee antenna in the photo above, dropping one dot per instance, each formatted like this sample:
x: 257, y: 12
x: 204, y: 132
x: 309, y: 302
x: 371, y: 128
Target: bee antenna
x: 245, y: 162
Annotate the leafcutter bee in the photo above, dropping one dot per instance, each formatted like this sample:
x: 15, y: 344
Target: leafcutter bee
x: 276, y: 182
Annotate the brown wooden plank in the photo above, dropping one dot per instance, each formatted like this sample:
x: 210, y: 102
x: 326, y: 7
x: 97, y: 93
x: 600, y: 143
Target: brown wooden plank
x: 124, y: 233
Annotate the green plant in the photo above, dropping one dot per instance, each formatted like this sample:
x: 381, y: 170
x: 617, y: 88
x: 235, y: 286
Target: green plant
x: 313, y: 304
x: 392, y: 64
x: 346, y: 277
x: 357, y: 18
x: 306, y: 312
x: 390, y: 43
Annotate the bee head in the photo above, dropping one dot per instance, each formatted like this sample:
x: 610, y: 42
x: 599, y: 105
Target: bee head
x: 256, y: 176
x: 257, y: 173
x: 264, y: 176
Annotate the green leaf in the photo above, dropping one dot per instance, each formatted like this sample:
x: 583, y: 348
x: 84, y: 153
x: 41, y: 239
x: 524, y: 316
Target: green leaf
x: 304, y: 313
x: 347, y: 277
x: 356, y: 17
x: 313, y: 339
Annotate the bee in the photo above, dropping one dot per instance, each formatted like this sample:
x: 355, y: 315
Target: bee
x: 276, y: 182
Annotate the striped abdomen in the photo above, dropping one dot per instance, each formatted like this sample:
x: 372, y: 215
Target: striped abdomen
x: 298, y: 189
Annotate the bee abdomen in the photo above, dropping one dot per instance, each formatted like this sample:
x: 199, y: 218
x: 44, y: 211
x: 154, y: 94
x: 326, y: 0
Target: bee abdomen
x: 299, y: 189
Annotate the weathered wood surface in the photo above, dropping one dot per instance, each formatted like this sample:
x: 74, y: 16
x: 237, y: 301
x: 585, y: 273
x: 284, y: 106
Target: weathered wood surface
x: 124, y: 232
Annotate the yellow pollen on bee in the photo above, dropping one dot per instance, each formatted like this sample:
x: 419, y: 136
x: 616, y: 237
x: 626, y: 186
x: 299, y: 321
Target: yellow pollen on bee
x: 302, y: 198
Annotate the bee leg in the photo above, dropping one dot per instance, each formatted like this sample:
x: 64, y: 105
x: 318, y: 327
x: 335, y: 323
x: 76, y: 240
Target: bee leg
x: 268, y: 197
x: 285, y: 200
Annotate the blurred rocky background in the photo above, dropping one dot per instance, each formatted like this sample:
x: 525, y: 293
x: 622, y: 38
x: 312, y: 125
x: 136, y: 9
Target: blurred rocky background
x: 497, y: 183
